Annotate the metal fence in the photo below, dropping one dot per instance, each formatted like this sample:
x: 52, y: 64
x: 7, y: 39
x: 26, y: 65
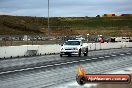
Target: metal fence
x: 14, y: 40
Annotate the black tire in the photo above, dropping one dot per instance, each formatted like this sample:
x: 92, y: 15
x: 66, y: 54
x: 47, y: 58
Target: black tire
x: 86, y: 52
x: 79, y: 54
x: 60, y: 55
x: 81, y: 80
x: 69, y: 55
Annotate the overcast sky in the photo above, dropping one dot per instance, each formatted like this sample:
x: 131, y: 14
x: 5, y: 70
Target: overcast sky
x: 64, y: 7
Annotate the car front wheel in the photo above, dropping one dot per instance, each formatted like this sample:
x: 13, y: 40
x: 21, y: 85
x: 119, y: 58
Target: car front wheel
x: 60, y: 55
x: 79, y: 54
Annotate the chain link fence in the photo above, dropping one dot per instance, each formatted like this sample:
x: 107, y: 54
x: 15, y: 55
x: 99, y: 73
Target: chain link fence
x: 16, y: 40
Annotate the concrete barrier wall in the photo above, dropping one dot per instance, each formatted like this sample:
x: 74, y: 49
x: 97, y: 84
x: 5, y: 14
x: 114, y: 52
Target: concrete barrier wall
x: 99, y: 46
x: 15, y: 51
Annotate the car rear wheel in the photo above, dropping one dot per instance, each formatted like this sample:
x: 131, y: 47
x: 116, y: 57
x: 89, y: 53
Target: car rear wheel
x: 86, y: 52
x: 60, y: 55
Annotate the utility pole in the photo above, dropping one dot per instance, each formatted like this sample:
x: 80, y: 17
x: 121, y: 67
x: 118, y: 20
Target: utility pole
x: 48, y: 20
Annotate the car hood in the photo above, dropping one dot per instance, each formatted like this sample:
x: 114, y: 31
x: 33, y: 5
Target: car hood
x: 70, y: 46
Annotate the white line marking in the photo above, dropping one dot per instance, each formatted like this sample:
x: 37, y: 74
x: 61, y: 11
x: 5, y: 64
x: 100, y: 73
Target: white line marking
x: 10, y: 71
x: 128, y: 53
x: 6, y: 72
x: 107, y: 56
x: 81, y: 60
x: 43, y: 66
x: 29, y: 68
x: 57, y: 64
x: 63, y: 63
x: 16, y: 70
x: 37, y: 67
x: 113, y: 55
x: 68, y: 62
x: 75, y: 61
x: 21, y: 70
x: 88, y: 59
x: 94, y: 58
x: 122, y: 54
x: 50, y: 65
x: 101, y: 57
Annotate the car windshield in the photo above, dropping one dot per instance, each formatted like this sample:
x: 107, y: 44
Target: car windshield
x: 72, y: 43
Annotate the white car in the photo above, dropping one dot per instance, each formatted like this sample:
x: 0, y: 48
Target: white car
x: 74, y: 47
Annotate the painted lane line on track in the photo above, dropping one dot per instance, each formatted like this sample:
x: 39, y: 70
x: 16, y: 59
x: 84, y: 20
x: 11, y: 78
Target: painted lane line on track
x: 63, y: 63
x: 43, y: 66
x: 57, y: 64
x: 94, y: 58
x: 88, y: 59
x: 69, y: 62
x: 82, y: 60
x: 10, y: 71
x: 53, y: 65
x: 75, y: 61
x: 17, y: 70
x: 101, y: 57
x: 113, y: 55
x: 128, y: 53
x: 30, y: 68
x: 107, y: 56
x: 122, y: 54
x: 22, y: 70
x: 49, y: 65
x: 37, y: 67
x: 27, y: 69
x: 6, y: 72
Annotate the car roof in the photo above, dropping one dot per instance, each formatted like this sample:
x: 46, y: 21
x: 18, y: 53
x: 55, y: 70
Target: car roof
x: 74, y: 40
